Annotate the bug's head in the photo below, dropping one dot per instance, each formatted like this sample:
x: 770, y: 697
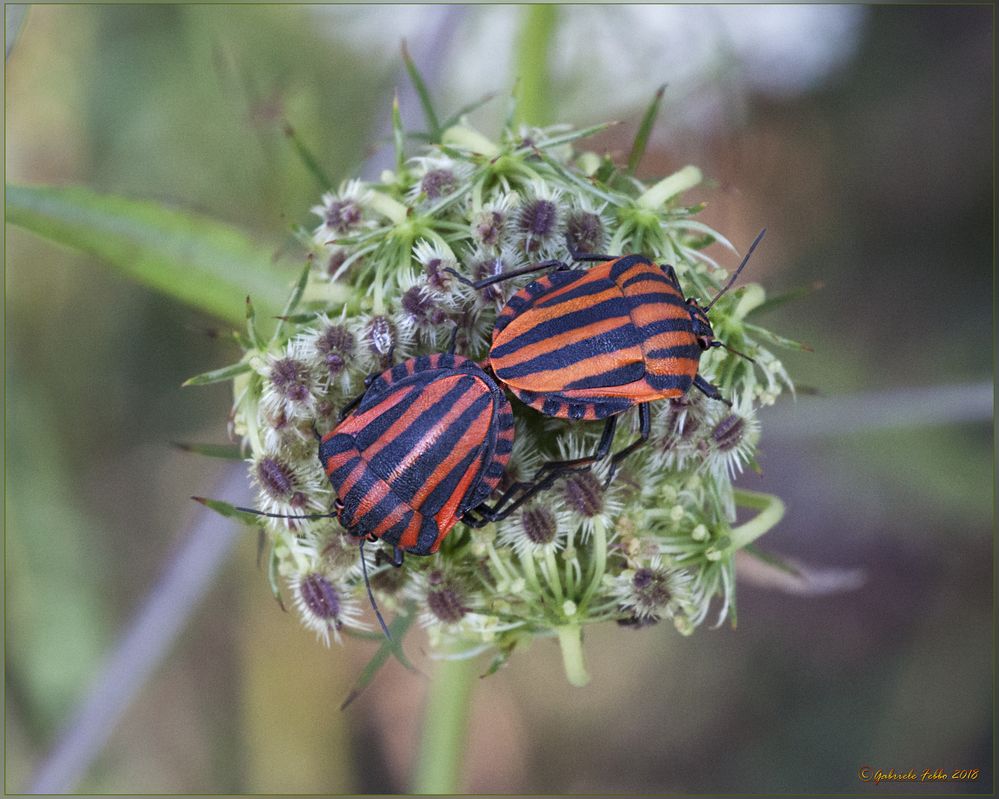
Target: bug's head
x: 700, y: 326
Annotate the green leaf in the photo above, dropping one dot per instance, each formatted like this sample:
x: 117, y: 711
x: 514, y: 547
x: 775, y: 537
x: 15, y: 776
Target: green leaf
x: 644, y: 130
x: 229, y: 511
x: 398, y: 138
x: 398, y: 627
x: 424, y: 94
x: 455, y: 118
x: 251, y: 326
x: 308, y: 159
x: 205, y: 263
x: 293, y: 300
x: 274, y: 575
x: 773, y: 338
x: 778, y: 300
x: 226, y: 451
x: 218, y: 375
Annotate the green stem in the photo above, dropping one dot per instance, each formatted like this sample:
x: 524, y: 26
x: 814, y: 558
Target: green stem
x: 771, y: 511
x: 598, y: 546
x: 570, y: 639
x: 445, y: 728
x: 537, y: 32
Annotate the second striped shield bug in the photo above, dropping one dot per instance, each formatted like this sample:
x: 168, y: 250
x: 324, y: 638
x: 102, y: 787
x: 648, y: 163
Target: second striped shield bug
x: 587, y: 344
x: 425, y: 444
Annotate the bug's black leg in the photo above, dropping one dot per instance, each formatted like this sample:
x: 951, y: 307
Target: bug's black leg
x: 582, y: 257
x: 453, y: 344
x: 396, y: 560
x: 644, y: 431
x: 541, y: 266
x: 670, y: 272
x: 517, y: 494
x: 346, y: 409
x: 709, y: 390
x: 368, y: 380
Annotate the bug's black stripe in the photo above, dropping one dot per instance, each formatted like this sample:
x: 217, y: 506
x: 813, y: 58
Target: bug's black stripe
x: 403, y: 442
x: 655, y: 277
x: 370, y: 520
x: 619, y: 338
x: 379, y: 426
x: 587, y: 289
x: 575, y: 320
x: 619, y: 306
x: 612, y: 377
x: 446, y: 488
x: 335, y: 445
x: 373, y: 397
x: 394, y: 533
x: 691, y: 351
x: 665, y: 326
x: 680, y: 381
x: 622, y: 265
x: 415, y: 477
x: 349, y: 517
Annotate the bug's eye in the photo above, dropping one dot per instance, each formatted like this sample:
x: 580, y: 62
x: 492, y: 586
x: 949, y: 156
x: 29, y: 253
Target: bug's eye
x: 338, y: 503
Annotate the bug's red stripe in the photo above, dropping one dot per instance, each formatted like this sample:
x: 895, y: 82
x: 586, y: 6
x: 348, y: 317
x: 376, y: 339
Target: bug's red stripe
x: 438, y: 430
x: 411, y: 535
x: 348, y: 483
x: 476, y: 432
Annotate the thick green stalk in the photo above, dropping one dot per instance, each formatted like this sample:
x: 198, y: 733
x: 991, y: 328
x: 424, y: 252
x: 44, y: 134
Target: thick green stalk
x: 570, y: 640
x: 771, y: 511
x: 537, y: 32
x: 445, y: 728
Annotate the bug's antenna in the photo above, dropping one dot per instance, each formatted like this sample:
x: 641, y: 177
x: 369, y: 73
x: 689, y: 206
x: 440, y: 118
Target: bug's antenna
x: 734, y: 351
x: 735, y: 274
x: 256, y: 512
x: 371, y: 596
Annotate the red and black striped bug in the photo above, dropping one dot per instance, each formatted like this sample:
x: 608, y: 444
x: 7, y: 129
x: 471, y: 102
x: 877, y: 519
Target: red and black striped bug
x: 425, y: 444
x: 586, y: 344
x: 428, y: 441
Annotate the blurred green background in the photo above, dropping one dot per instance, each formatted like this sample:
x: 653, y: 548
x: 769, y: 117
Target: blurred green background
x: 862, y: 139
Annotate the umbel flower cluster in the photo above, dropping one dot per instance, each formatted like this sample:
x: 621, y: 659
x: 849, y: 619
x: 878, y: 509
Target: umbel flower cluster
x: 656, y: 544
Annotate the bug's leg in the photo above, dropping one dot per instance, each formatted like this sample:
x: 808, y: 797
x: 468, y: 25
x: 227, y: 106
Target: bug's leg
x: 396, y: 560
x: 368, y: 380
x: 709, y: 390
x: 346, y: 409
x: 581, y: 257
x: 371, y: 596
x: 453, y: 344
x: 517, y: 494
x: 644, y: 431
x: 541, y: 266
x: 670, y: 272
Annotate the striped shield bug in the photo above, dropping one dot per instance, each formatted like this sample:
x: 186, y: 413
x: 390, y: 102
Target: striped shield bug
x: 427, y: 442
x: 588, y: 344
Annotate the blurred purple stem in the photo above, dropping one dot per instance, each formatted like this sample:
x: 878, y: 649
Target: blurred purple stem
x: 145, y: 642
x: 926, y: 406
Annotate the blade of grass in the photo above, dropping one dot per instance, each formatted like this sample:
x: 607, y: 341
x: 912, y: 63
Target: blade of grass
x: 645, y: 130
x: 202, y: 262
x: 308, y: 159
x: 400, y: 624
x: 780, y: 299
x: 225, y: 451
x: 217, y: 375
x: 433, y: 124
